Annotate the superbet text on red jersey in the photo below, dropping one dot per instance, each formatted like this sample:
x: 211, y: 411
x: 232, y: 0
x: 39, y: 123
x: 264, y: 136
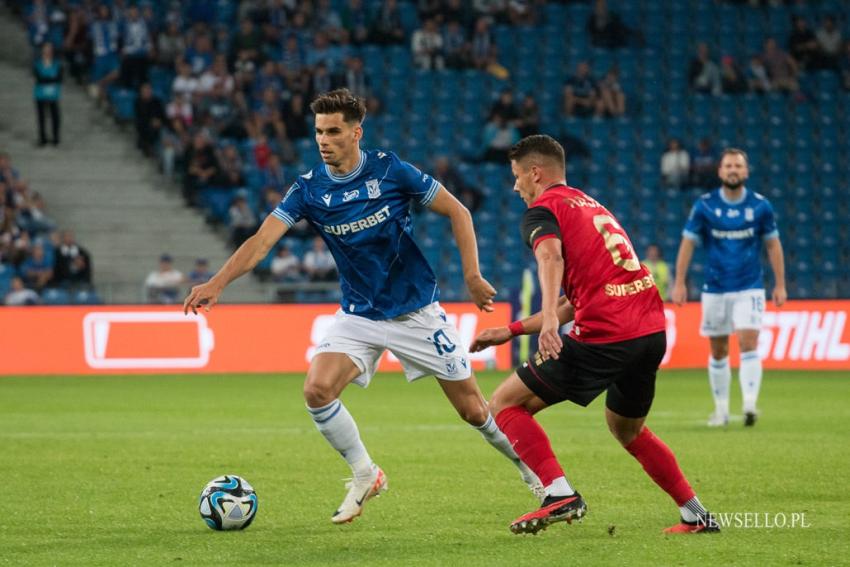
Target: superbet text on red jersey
x: 614, y: 295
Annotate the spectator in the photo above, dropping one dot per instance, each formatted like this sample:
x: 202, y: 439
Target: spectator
x: 37, y: 269
x: 611, y: 93
x: 47, y: 92
x: 169, y: 46
x: 163, y: 285
x: 580, y: 94
x: 31, y: 216
x: 247, y: 43
x: 319, y: 265
x: 457, y: 11
x: 704, y: 166
x: 452, y: 180
x: 104, y: 34
x: 481, y: 43
x: 292, y: 59
x: 606, y: 29
x: 455, y: 46
x: 781, y: 68
x: 659, y: 269
x: 829, y: 43
x: 184, y: 84
x: 72, y: 264
x: 149, y: 118
x: 387, y: 28
x: 295, y: 118
x: 217, y: 76
x: 200, y: 273
x: 802, y: 44
x: 498, y: 137
x: 230, y: 163
x: 504, y: 107
x: 201, y: 168
x: 136, y: 48
x: 731, y: 78
x: 427, y: 46
x: 200, y: 55
x: 77, y: 46
x: 354, y: 77
x: 704, y: 74
x: 528, y: 121
x: 273, y: 174
x: 675, y: 165
x: 243, y: 221
x: 355, y: 20
x: 757, y: 77
x: 286, y: 267
x: 19, y: 294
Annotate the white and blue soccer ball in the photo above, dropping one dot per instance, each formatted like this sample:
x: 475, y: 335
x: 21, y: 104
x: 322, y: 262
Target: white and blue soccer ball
x: 228, y: 503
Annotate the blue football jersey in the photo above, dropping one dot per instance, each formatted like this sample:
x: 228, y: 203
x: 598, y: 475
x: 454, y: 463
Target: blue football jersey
x: 364, y: 217
x: 732, y: 234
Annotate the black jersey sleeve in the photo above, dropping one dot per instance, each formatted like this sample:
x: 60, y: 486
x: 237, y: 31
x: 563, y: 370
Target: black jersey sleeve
x: 539, y: 222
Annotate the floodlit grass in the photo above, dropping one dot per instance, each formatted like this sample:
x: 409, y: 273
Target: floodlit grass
x: 107, y: 471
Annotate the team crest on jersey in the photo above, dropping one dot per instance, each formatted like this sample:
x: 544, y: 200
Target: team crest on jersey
x: 373, y: 187
x: 349, y: 195
x: 748, y: 214
x: 327, y: 199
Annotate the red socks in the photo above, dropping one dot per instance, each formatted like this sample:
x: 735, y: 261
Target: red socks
x: 530, y: 443
x: 660, y: 464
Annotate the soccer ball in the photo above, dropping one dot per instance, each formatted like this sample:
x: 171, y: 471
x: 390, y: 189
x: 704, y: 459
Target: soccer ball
x: 228, y: 503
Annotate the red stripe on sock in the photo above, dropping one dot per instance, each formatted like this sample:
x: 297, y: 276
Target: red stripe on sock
x: 660, y: 464
x: 530, y: 443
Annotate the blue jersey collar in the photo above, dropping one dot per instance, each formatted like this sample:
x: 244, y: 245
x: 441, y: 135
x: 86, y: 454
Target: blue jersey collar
x: 351, y: 174
x: 729, y: 201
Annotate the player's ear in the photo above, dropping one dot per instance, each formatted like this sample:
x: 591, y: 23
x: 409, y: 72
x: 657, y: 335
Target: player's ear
x: 358, y: 132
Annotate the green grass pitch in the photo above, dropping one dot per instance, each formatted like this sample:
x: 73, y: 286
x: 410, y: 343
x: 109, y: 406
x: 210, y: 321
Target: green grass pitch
x: 107, y: 471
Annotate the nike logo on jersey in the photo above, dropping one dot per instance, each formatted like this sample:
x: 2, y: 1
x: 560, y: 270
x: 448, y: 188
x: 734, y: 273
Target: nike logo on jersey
x: 327, y: 199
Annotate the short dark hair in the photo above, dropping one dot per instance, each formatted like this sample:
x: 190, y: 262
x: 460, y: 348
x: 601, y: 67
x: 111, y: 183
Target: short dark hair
x: 735, y: 152
x: 352, y: 107
x: 540, y: 144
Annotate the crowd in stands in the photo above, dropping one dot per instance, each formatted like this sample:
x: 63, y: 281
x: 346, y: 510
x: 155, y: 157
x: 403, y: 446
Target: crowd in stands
x: 774, y: 68
x: 38, y: 263
x: 220, y: 91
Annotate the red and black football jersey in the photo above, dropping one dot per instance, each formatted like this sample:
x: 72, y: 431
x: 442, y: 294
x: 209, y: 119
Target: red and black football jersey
x: 614, y: 295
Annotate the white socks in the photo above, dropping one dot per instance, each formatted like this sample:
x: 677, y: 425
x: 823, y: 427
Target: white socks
x: 560, y: 487
x: 720, y: 376
x: 336, y: 424
x: 692, y: 509
x: 750, y: 376
x: 494, y: 436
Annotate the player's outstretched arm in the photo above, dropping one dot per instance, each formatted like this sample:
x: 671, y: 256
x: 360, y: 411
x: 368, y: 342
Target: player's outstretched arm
x: 683, y: 261
x: 480, y: 290
x: 530, y: 326
x: 777, y: 262
x: 242, y: 261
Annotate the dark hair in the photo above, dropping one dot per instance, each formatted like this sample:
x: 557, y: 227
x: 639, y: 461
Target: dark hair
x: 353, y: 108
x: 540, y: 144
x: 734, y: 152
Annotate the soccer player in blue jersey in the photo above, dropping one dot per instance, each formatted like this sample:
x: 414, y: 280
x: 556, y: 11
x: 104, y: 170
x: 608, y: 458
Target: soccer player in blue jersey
x: 359, y: 202
x: 732, y: 223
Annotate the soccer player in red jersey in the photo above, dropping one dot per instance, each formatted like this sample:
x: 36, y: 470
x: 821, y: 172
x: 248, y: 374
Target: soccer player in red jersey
x: 615, y: 345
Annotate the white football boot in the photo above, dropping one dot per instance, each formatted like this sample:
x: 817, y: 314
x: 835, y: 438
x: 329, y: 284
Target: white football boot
x: 359, y: 491
x: 718, y: 420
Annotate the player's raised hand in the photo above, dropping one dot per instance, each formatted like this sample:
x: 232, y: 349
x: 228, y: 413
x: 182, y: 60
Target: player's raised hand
x: 779, y: 295
x: 490, y: 337
x: 481, y: 292
x: 549, y: 343
x: 680, y: 294
x: 204, y: 295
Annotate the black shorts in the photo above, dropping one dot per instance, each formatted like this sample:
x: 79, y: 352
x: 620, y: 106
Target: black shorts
x: 582, y: 371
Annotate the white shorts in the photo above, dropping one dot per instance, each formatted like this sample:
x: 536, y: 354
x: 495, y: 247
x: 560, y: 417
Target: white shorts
x: 423, y: 341
x: 724, y: 313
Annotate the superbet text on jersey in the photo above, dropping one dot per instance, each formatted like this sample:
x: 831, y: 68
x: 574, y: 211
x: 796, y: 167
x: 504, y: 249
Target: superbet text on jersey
x: 614, y: 295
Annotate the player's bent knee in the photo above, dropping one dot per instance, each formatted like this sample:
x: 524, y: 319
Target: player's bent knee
x: 474, y: 414
x: 317, y: 395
